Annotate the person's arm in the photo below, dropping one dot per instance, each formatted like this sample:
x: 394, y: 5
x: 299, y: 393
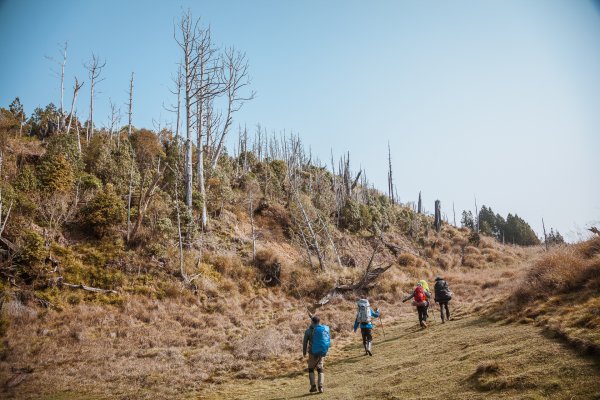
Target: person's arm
x: 375, y: 314
x: 408, y: 297
x: 355, y: 324
x: 305, y: 343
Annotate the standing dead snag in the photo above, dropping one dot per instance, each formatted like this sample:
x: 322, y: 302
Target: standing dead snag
x: 438, y: 216
x: 131, y: 107
x: 545, y: 236
x: 390, y: 178
x: 75, y: 92
x: 234, y: 74
x: 94, y: 68
x: 188, y: 43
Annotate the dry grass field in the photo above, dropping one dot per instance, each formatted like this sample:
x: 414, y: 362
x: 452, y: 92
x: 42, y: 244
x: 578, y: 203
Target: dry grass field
x: 237, y: 338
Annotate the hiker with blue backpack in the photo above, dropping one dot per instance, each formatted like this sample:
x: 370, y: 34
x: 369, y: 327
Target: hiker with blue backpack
x: 364, y: 315
x: 316, y: 343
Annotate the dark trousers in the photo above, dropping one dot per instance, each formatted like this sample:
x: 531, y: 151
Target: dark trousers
x: 444, y: 304
x: 422, y: 310
x: 366, y: 335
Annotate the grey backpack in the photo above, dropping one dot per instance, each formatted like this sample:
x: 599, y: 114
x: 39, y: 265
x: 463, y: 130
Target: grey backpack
x: 364, y: 311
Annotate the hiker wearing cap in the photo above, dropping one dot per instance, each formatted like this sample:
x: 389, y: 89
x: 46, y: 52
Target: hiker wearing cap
x: 316, y: 342
x: 442, y: 296
x: 420, y: 296
x: 364, y: 315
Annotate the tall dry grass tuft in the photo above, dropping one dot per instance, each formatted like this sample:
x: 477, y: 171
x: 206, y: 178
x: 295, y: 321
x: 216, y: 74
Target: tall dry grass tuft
x: 561, y: 291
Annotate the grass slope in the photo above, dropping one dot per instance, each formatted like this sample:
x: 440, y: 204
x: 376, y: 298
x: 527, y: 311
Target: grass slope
x: 469, y: 357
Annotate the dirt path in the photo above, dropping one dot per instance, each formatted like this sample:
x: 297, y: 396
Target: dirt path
x: 467, y: 358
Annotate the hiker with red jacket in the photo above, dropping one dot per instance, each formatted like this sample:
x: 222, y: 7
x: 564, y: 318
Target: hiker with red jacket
x: 420, y: 296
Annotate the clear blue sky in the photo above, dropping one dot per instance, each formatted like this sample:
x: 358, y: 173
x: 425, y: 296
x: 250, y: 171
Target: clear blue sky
x: 498, y: 99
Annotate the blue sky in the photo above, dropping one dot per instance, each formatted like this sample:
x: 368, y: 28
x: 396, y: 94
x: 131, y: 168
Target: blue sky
x: 494, y: 99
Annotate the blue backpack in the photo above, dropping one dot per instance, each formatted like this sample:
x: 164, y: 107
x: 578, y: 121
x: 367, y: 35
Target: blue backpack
x: 320, y: 340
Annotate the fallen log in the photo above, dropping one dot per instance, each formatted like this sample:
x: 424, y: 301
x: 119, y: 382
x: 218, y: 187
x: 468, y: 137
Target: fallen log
x: 366, y: 282
x: 88, y: 288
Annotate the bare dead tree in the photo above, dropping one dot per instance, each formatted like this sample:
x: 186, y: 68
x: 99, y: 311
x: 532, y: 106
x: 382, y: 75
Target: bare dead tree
x: 182, y: 272
x: 130, y: 113
x: 61, y: 64
x: 115, y: 118
x: 62, y: 85
x: 188, y: 43
x: 454, y: 213
x: 76, y: 88
x: 545, y: 236
x: 130, y: 194
x: 390, y: 177
x: 178, y: 81
x: 94, y: 67
x: 78, y: 134
x: 330, y: 238
x: 438, y: 216
x: 234, y: 74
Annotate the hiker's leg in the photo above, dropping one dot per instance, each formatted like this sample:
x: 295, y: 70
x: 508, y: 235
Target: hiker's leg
x: 312, y: 364
x: 447, y: 311
x: 369, y: 336
x: 321, y: 374
x: 364, y: 333
x: 442, y: 310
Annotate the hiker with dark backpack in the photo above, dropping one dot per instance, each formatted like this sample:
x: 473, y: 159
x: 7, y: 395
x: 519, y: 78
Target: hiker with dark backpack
x: 442, y: 296
x: 420, y: 296
x: 316, y: 342
x: 364, y: 315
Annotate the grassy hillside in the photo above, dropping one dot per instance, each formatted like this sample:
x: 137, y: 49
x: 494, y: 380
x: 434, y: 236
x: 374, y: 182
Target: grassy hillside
x: 467, y: 358
x: 112, y: 287
x: 561, y: 292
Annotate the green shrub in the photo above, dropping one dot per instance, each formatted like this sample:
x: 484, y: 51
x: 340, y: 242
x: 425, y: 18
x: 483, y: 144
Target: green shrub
x: 104, y: 212
x: 33, y: 250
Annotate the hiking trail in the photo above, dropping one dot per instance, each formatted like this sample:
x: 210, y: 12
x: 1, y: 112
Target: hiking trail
x: 469, y: 357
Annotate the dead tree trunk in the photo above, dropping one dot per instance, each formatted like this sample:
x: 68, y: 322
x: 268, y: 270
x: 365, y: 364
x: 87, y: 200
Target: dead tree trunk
x: 62, y: 88
x: 94, y: 68
x: 130, y: 113
x: 75, y: 92
x: 438, y: 216
x: 337, y: 256
x: 313, y: 235
x: 454, y: 213
x: 545, y: 236
x: 130, y: 193
x: 390, y: 178
x: 251, y: 210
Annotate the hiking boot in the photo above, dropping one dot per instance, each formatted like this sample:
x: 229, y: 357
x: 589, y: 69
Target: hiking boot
x: 313, y: 389
x: 369, y: 352
x: 321, y: 390
x: 424, y: 324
